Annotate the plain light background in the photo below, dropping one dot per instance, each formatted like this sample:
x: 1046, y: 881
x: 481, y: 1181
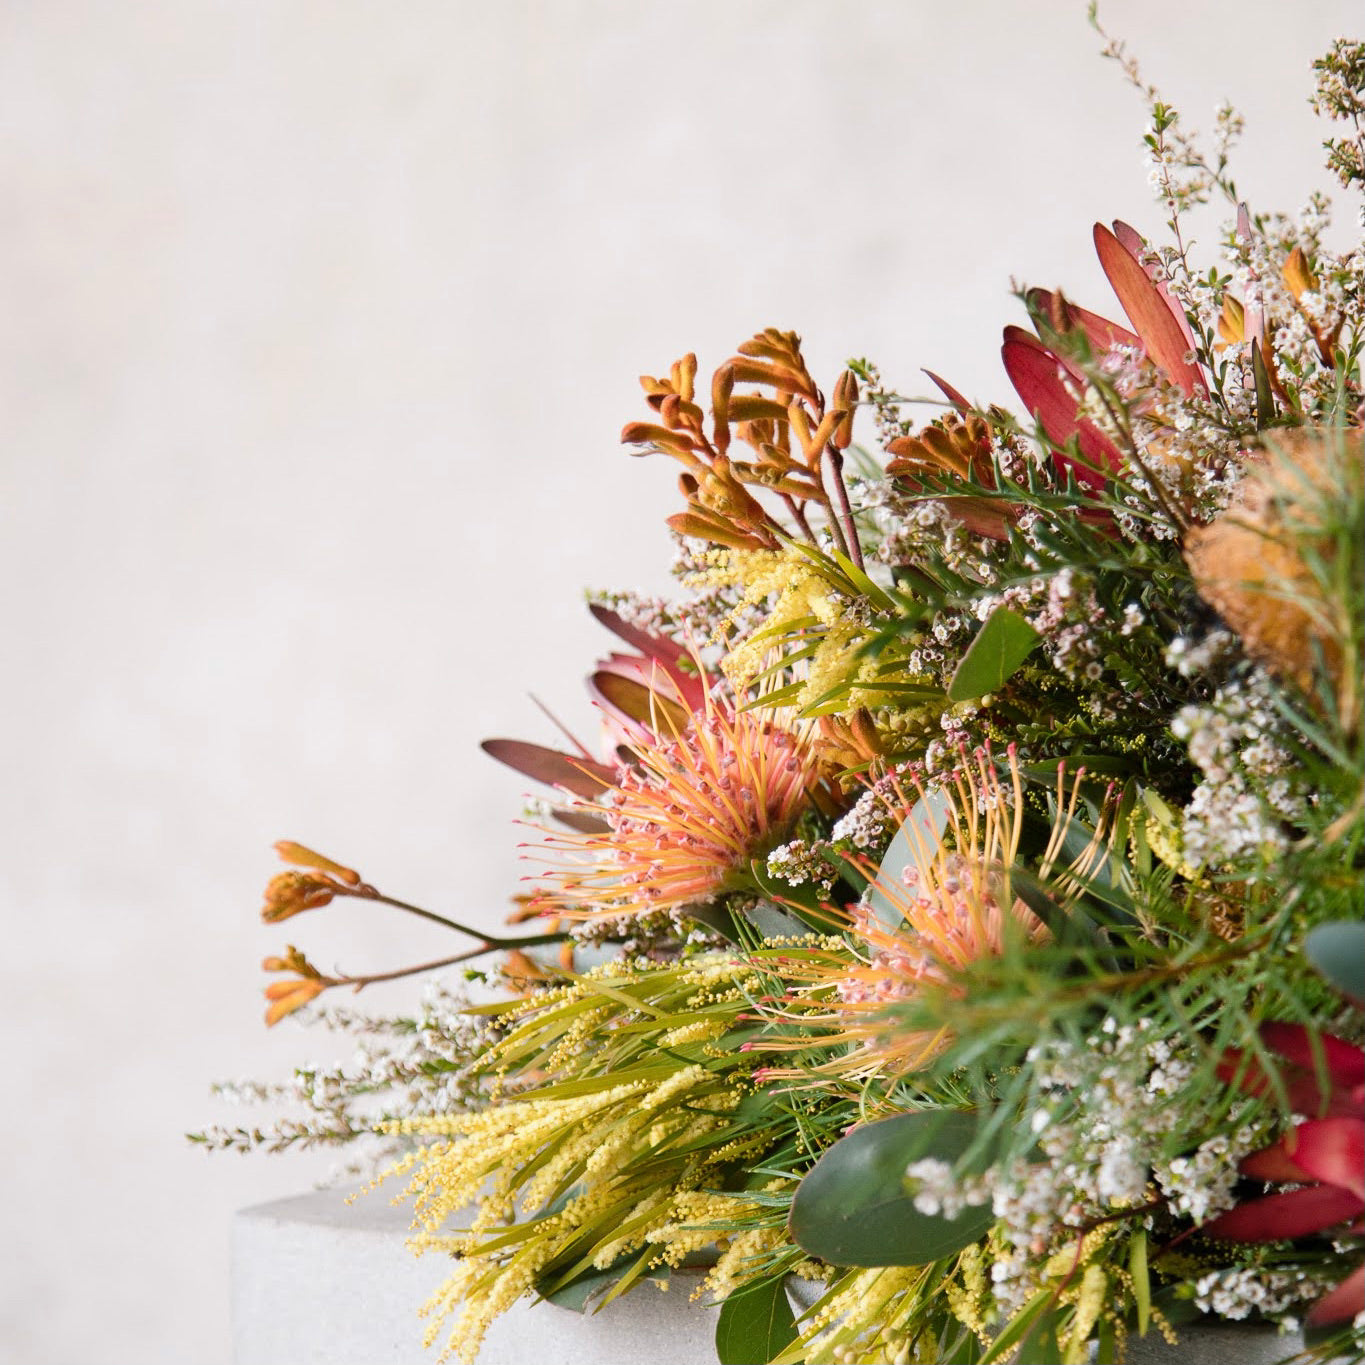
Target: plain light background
x: 318, y: 323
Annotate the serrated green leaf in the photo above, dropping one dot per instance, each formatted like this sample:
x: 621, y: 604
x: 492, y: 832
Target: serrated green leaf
x: 1000, y: 646
x: 755, y: 1324
x: 1337, y: 950
x: 853, y: 1209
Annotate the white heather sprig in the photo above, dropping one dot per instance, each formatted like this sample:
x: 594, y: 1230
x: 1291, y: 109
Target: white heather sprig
x: 1237, y: 1294
x: 400, y: 1068
x: 799, y: 862
x: 939, y: 1192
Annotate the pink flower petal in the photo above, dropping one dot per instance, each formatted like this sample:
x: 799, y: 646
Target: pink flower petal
x: 581, y: 776
x: 1283, y: 1217
x: 666, y: 653
x: 1149, y: 313
x: 1331, y: 1150
x: 1273, y: 1164
x: 1132, y: 241
x: 1039, y: 379
x: 1345, y: 1062
x: 1102, y: 334
x: 950, y: 393
x: 1342, y: 1303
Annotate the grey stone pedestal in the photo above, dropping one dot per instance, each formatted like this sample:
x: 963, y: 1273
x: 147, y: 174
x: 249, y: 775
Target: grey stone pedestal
x: 318, y: 1282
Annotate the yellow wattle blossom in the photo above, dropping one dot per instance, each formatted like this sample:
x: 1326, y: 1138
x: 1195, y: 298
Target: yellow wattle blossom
x: 804, y: 609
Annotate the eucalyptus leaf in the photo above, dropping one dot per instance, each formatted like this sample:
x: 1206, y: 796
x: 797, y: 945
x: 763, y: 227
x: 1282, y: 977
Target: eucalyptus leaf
x: 853, y: 1208
x: 771, y: 921
x: 1337, y: 950
x: 755, y: 1325
x: 928, y: 818
x: 1000, y: 646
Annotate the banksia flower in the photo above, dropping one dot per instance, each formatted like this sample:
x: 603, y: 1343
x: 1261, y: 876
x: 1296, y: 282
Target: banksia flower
x: 1265, y: 563
x: 687, y: 817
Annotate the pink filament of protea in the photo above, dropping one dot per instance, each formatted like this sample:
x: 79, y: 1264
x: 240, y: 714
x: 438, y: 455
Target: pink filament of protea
x: 952, y: 921
x: 692, y: 809
x: 951, y: 910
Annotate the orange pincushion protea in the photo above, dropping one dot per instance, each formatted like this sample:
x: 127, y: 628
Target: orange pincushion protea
x: 697, y: 803
x: 951, y: 905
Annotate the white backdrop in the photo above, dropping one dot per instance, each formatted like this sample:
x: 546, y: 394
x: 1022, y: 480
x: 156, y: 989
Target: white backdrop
x: 318, y: 322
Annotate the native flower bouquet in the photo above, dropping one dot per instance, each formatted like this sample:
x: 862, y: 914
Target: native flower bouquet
x: 959, y: 907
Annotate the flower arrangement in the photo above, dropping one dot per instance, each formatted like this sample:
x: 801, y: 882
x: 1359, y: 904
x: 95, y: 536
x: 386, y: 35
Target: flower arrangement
x: 960, y: 905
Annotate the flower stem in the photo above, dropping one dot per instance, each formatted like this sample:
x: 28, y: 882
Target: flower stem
x: 486, y: 945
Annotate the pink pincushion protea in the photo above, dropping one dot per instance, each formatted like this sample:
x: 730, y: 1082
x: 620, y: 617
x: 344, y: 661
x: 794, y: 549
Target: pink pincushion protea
x: 1324, y: 1156
x: 951, y: 906
x: 693, y: 806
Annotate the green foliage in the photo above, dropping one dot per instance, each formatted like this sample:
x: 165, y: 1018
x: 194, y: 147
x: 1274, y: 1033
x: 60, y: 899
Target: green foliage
x: 1338, y: 952
x: 1000, y: 646
x: 852, y: 1208
x: 755, y: 1324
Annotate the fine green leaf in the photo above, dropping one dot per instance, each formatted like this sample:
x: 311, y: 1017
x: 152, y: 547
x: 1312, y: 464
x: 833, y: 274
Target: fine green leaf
x: 755, y: 1325
x: 1018, y: 1326
x: 853, y: 1209
x: 1338, y: 951
x: 1000, y: 646
x: 1265, y: 399
x: 1142, y: 1285
x: 581, y: 1290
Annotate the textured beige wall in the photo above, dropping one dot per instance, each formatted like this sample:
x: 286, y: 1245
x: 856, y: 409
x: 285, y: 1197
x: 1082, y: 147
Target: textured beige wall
x: 317, y: 325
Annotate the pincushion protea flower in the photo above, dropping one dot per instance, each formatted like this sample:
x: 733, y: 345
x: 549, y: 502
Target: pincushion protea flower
x: 952, y: 905
x: 1324, y: 1156
x: 693, y: 807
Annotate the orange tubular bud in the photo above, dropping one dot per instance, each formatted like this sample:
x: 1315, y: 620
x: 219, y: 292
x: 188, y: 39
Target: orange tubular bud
x: 305, y: 857
x: 717, y: 531
x: 845, y: 397
x: 648, y: 433
x: 722, y: 386
x: 824, y: 433
x: 677, y: 413
x: 800, y: 425
x: 684, y: 376
x: 780, y: 377
x: 290, y: 893
x: 753, y: 407
x: 287, y: 996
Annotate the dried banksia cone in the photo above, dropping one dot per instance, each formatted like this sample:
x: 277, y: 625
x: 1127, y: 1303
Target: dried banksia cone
x: 1265, y: 563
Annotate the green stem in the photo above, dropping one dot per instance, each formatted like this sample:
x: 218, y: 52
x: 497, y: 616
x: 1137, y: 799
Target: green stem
x: 487, y: 945
x: 426, y: 914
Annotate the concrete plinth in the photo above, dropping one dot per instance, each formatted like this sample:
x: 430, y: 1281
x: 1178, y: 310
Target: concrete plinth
x: 318, y: 1282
